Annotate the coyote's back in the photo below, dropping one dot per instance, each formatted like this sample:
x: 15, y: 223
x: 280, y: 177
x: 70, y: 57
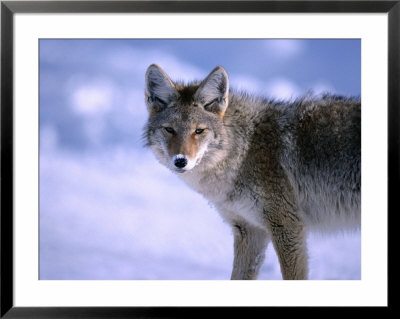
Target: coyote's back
x: 271, y: 169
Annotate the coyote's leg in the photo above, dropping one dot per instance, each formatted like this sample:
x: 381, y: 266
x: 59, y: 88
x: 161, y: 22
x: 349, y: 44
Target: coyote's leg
x: 249, y: 248
x: 290, y: 245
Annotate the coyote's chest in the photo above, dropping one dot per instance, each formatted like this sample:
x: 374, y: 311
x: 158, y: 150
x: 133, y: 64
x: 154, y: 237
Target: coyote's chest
x: 214, y: 188
x: 220, y: 193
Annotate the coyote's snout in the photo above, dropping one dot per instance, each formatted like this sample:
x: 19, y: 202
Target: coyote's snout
x: 273, y: 170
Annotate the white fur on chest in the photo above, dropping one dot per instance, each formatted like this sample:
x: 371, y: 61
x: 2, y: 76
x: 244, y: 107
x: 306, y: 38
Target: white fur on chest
x: 216, y: 191
x: 241, y: 209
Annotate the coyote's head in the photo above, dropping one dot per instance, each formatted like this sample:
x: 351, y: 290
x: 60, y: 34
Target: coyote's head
x: 185, y: 127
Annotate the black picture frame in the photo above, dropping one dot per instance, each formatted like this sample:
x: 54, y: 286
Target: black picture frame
x: 9, y: 8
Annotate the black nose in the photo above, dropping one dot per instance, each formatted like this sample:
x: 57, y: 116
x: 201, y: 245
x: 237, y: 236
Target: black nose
x: 180, y: 162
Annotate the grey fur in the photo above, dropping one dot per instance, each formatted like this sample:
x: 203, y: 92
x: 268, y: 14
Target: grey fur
x: 272, y: 169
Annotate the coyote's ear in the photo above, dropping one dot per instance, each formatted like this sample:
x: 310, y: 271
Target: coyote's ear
x: 213, y: 92
x: 160, y: 90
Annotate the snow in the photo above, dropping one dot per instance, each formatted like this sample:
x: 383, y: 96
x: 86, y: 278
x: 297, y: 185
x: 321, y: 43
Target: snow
x: 121, y: 215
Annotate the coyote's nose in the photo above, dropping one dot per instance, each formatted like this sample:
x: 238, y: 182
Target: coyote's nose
x: 180, y: 162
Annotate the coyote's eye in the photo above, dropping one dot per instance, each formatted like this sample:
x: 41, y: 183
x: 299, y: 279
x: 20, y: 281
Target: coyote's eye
x: 170, y: 130
x: 199, y: 131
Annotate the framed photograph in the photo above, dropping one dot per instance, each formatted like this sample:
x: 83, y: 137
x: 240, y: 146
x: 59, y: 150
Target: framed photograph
x: 96, y: 218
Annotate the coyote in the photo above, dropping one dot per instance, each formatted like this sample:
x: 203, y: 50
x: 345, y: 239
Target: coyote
x: 272, y: 169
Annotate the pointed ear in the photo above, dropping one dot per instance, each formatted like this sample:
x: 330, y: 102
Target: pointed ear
x: 160, y: 90
x: 213, y: 92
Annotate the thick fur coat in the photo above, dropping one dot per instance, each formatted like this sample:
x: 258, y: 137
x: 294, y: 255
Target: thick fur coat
x: 272, y: 169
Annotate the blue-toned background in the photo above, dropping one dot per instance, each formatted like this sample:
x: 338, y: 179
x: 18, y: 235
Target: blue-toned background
x: 108, y: 209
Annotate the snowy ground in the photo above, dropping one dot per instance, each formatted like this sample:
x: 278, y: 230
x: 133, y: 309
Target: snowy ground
x: 121, y: 215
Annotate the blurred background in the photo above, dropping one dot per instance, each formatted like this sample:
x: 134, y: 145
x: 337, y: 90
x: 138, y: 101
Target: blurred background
x: 108, y: 209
